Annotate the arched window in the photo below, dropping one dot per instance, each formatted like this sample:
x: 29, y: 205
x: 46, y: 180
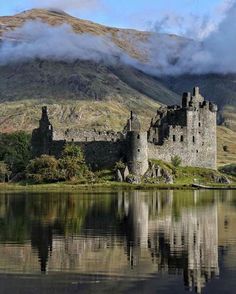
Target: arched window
x: 193, y: 139
x: 174, y: 138
x: 138, y: 137
x: 182, y: 138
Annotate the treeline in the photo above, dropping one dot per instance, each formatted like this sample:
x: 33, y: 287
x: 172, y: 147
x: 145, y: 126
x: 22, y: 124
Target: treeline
x: 17, y: 164
x: 70, y: 166
x: 15, y: 154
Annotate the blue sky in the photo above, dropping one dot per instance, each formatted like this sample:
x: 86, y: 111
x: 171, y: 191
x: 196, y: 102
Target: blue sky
x: 139, y: 14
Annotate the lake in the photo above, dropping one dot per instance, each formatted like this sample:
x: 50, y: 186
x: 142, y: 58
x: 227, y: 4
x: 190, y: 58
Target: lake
x: 118, y: 242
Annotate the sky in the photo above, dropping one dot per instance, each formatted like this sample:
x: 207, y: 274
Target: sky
x: 174, y: 15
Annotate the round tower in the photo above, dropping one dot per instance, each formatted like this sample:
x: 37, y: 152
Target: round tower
x: 137, y: 153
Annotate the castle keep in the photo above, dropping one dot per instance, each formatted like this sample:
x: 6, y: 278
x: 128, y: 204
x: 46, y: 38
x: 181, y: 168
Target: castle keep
x: 188, y: 131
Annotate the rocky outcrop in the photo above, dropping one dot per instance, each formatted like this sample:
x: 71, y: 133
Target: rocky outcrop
x: 159, y: 174
x: 221, y: 179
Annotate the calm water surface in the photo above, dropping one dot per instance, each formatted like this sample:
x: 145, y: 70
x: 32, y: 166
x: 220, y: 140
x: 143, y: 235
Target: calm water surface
x: 118, y: 242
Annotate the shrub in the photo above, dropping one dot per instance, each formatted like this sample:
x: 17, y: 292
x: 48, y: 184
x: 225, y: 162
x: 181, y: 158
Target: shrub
x: 229, y: 169
x: 44, y: 169
x: 72, y: 163
x: 176, y: 161
x: 4, y: 172
x: 120, y: 165
x: 15, y: 151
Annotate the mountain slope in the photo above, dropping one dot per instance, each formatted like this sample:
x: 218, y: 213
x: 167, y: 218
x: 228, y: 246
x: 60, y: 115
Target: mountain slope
x: 38, y: 82
x: 88, y: 94
x: 218, y: 88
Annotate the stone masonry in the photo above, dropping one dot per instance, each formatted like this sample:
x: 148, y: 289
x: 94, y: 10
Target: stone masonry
x: 188, y: 131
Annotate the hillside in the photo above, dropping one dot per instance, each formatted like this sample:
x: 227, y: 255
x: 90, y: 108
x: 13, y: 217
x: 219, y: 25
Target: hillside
x: 226, y: 140
x: 218, y: 88
x: 112, y: 90
x: 89, y: 94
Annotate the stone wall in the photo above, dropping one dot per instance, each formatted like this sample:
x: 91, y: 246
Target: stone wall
x: 98, y: 154
x: 195, y: 144
x: 88, y: 136
x: 188, y: 132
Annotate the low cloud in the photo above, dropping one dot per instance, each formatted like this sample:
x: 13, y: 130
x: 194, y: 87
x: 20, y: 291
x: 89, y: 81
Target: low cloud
x: 211, y: 49
x: 165, y: 54
x: 36, y: 39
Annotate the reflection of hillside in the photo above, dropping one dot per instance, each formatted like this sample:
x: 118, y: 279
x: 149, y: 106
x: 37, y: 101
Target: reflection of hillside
x: 125, y: 234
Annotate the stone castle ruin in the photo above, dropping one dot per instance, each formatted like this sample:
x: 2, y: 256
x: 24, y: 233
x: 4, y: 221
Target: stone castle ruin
x: 187, y: 131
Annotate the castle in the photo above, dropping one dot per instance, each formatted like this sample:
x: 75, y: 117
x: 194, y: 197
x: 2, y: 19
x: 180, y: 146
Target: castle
x: 188, y: 131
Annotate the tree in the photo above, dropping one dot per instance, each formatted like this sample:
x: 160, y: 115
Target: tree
x: 15, y: 150
x: 44, y: 169
x: 176, y: 161
x: 72, y: 162
x: 4, y: 172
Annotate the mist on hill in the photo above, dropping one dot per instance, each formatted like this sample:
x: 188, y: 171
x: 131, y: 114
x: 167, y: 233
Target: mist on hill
x: 163, y: 54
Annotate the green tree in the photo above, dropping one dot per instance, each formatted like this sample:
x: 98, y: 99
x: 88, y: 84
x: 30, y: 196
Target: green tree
x: 176, y: 161
x: 44, y: 169
x: 4, y: 172
x: 72, y: 162
x: 15, y: 150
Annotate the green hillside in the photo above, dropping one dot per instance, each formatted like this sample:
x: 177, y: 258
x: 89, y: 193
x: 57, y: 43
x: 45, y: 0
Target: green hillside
x: 86, y: 94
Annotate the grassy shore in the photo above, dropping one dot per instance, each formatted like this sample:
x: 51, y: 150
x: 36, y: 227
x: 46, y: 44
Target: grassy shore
x: 109, y: 186
x: 183, y: 177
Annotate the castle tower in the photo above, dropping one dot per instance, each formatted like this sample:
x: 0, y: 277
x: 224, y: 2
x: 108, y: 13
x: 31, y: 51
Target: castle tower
x: 201, y: 131
x: 42, y: 137
x: 188, y: 132
x: 137, y: 147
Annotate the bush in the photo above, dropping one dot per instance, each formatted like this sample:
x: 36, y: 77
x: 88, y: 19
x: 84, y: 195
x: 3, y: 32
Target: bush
x: 44, y: 169
x: 15, y: 151
x: 176, y: 161
x: 4, y: 172
x: 72, y: 163
x: 229, y: 169
x: 120, y: 165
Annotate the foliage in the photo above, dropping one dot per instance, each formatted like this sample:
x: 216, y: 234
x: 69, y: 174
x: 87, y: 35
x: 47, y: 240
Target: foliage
x: 165, y: 165
x: 176, y: 161
x: 120, y: 165
x: 72, y: 163
x: 187, y: 175
x: 229, y: 169
x: 44, y: 169
x: 15, y: 150
x: 103, y: 176
x: 4, y: 171
x: 71, y: 166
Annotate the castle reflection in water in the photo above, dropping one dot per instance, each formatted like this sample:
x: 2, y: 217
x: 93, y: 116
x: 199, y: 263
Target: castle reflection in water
x: 132, y: 234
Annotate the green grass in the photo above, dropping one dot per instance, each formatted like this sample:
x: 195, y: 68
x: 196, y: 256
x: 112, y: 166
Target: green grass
x: 190, y: 175
x: 66, y: 187
x: 184, y: 177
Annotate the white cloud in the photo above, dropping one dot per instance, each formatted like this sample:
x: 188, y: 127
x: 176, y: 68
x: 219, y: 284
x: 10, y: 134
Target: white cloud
x: 36, y: 39
x: 167, y: 55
